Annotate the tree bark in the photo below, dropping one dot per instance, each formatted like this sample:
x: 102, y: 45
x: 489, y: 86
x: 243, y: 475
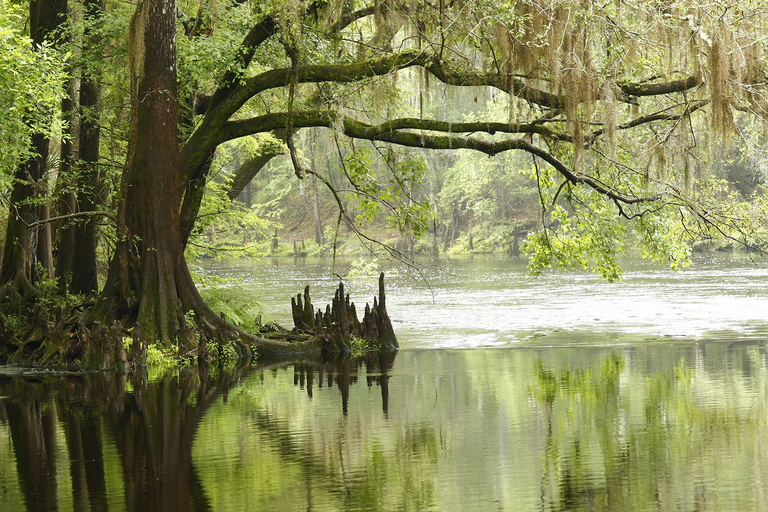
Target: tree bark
x: 20, y: 255
x: 84, y: 273
x: 253, y: 165
x: 45, y: 242
x: 67, y: 199
x: 148, y: 279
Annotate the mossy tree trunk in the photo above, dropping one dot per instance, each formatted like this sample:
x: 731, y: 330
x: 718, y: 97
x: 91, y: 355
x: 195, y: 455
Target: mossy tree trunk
x: 148, y: 280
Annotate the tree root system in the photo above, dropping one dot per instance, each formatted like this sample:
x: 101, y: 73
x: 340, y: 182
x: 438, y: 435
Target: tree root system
x: 66, y: 338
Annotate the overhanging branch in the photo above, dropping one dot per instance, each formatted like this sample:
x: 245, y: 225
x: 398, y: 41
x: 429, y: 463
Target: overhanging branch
x: 395, y: 133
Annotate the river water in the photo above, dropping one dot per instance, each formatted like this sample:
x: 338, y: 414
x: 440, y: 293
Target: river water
x: 496, y: 303
x: 509, y: 393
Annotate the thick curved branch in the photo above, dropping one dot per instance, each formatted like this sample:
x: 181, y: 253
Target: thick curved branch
x: 386, y: 132
x: 494, y: 148
x: 259, y: 33
x: 252, y: 166
x: 351, y: 17
x: 659, y: 89
x: 658, y: 116
x: 199, y: 148
x: 306, y: 119
x: 255, y: 37
x: 440, y: 69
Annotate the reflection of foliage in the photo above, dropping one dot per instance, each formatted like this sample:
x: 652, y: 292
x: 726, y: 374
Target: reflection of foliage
x: 594, y: 391
x: 654, y: 427
x: 285, y: 443
x: 609, y: 431
x: 100, y: 441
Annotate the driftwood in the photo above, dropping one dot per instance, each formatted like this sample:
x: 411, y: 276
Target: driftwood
x: 339, y: 328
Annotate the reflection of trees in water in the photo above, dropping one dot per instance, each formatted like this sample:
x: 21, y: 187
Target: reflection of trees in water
x: 152, y: 428
x: 601, y: 452
x: 34, y: 407
x: 344, y: 371
x: 33, y: 428
x: 348, y: 467
x: 643, y: 427
x: 566, y: 482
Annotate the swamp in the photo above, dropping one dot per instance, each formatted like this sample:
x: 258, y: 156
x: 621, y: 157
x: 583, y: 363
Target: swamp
x: 557, y: 405
x: 383, y: 255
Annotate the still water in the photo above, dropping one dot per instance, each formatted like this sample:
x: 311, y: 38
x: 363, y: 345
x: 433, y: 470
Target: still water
x: 647, y: 395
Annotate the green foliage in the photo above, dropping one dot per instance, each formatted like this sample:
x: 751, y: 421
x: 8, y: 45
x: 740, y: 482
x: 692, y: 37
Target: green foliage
x: 374, y: 192
x: 12, y: 321
x: 162, y: 358
x: 590, y: 239
x: 358, y: 166
x: 363, y: 267
x: 189, y: 319
x: 222, y: 355
x: 226, y: 228
x: 235, y: 300
x: 51, y: 296
x: 31, y: 88
x: 359, y: 346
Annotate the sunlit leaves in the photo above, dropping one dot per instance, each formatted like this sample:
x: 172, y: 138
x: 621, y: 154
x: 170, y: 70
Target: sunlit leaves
x: 391, y: 191
x: 31, y: 87
x: 225, y: 228
x: 587, y: 237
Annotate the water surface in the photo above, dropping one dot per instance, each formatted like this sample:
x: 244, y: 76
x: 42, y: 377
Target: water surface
x: 510, y: 393
x: 495, y: 302
x: 664, y: 427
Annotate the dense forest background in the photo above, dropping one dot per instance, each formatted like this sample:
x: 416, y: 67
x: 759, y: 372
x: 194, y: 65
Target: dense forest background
x: 140, y: 136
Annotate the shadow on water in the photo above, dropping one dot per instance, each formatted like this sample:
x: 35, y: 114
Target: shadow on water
x: 150, y: 424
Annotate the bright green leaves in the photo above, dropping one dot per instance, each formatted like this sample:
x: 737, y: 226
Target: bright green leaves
x: 225, y: 228
x: 357, y: 166
x: 582, y: 233
x: 723, y: 215
x: 210, y: 53
x: 389, y: 184
x: 582, y: 228
x: 411, y: 213
x: 31, y: 88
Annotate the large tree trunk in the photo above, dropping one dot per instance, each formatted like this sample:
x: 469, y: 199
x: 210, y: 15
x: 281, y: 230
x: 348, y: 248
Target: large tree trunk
x: 149, y: 281
x: 84, y: 273
x: 45, y: 240
x: 20, y: 256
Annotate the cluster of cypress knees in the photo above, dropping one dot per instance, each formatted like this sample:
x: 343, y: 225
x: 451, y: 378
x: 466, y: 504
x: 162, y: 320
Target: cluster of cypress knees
x: 339, y: 328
